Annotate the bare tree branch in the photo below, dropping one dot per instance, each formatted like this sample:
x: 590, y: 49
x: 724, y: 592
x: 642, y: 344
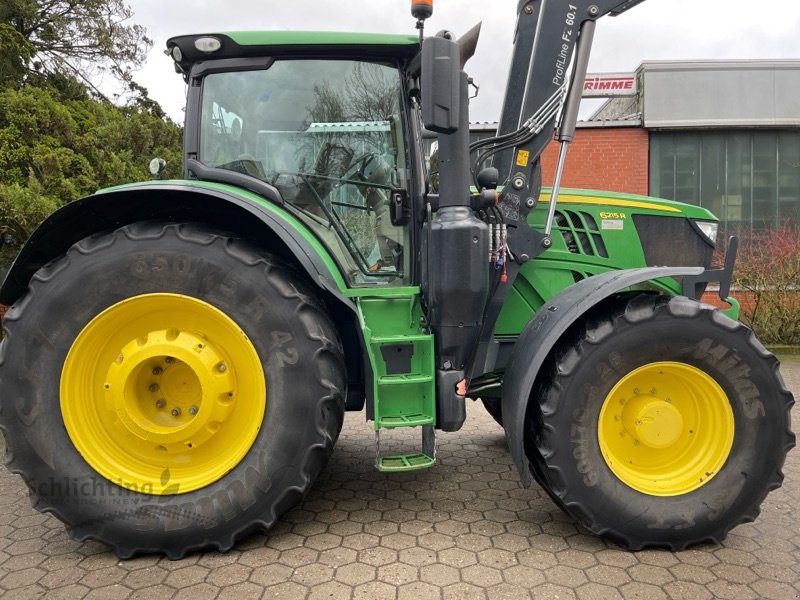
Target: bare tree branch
x: 85, y: 37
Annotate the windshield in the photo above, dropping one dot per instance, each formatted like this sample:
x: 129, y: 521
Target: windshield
x: 328, y: 134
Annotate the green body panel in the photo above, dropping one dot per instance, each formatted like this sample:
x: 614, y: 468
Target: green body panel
x: 558, y: 267
x: 621, y: 199
x: 320, y: 38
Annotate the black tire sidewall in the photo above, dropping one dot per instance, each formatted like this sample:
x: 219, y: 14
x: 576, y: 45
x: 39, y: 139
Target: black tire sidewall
x: 580, y: 479
x: 494, y: 408
x: 303, y: 378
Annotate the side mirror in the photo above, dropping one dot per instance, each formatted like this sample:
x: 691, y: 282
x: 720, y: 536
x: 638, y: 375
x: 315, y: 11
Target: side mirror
x: 441, y: 83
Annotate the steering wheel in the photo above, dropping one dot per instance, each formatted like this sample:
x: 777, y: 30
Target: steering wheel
x: 357, y: 167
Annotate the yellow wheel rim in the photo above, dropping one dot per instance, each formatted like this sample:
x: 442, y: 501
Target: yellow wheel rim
x: 666, y: 428
x: 162, y: 393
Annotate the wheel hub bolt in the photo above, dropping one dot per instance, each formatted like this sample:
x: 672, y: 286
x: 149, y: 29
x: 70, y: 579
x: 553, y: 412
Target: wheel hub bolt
x: 153, y: 387
x: 169, y: 360
x: 157, y: 371
x: 221, y: 367
x: 192, y: 410
x: 160, y: 403
x: 176, y: 411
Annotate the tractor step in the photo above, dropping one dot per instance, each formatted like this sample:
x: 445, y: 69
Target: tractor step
x: 411, y: 420
x: 404, y: 391
x: 408, y: 461
x: 401, y: 357
x: 404, y: 462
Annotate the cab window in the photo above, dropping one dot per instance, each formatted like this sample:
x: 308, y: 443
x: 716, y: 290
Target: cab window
x: 329, y: 135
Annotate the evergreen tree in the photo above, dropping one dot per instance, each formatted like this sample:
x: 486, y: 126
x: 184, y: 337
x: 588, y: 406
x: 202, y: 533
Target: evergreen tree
x: 59, y: 138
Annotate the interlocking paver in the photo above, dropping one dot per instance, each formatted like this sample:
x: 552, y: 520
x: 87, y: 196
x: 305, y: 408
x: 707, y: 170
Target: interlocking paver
x: 374, y: 590
x: 772, y: 590
x: 26, y: 593
x: 68, y: 592
x: 608, y: 576
x: 642, y: 591
x: 377, y: 556
x: 462, y: 530
x: 330, y: 589
x: 229, y: 575
x: 417, y: 590
x: 240, y: 591
x: 550, y: 591
x: 336, y: 557
x: 692, y: 574
x: 524, y: 576
x: 686, y: 590
x: 507, y: 591
x: 398, y: 573
x: 311, y: 575
x: 159, y: 591
x: 286, y: 591
x: 355, y: 574
x: 118, y: 592
x: 597, y: 591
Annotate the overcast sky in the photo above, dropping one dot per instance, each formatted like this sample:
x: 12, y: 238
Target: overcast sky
x: 654, y: 30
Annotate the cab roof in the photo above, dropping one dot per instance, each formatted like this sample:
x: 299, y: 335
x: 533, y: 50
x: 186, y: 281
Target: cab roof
x: 244, y: 44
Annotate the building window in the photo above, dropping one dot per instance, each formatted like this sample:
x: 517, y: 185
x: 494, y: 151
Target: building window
x: 744, y: 177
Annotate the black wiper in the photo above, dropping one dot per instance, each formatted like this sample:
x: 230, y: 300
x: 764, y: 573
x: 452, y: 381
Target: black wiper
x: 340, y: 180
x: 336, y: 222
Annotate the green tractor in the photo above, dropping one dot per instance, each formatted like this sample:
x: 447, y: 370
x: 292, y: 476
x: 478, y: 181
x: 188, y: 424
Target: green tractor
x: 179, y: 355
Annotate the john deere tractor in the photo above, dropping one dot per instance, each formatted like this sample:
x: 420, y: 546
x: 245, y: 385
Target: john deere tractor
x: 179, y: 355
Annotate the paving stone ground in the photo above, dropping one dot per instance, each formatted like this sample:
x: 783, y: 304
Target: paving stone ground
x: 463, y: 529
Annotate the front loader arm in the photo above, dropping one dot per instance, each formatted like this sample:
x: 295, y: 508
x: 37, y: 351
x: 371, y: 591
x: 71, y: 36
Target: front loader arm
x: 548, y: 34
x: 551, y: 53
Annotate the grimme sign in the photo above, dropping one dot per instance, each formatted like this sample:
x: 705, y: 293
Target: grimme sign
x: 607, y: 85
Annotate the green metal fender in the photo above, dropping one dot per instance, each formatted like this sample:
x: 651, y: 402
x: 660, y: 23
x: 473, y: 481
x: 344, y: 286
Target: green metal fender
x: 228, y: 207
x: 541, y: 334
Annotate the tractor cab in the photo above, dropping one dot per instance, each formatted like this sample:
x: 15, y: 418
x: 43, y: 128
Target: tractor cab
x: 327, y: 131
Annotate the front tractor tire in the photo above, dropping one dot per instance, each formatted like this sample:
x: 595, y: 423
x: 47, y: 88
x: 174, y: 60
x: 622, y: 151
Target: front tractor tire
x: 661, y: 422
x: 166, y: 388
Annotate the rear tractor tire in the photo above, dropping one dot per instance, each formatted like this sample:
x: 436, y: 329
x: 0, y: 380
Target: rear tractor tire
x: 168, y: 389
x: 664, y: 423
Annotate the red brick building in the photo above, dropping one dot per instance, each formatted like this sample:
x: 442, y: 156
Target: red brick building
x: 607, y: 157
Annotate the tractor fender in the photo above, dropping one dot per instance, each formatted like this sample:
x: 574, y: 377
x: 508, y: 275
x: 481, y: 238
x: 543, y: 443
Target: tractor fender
x: 541, y: 334
x: 227, y: 207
